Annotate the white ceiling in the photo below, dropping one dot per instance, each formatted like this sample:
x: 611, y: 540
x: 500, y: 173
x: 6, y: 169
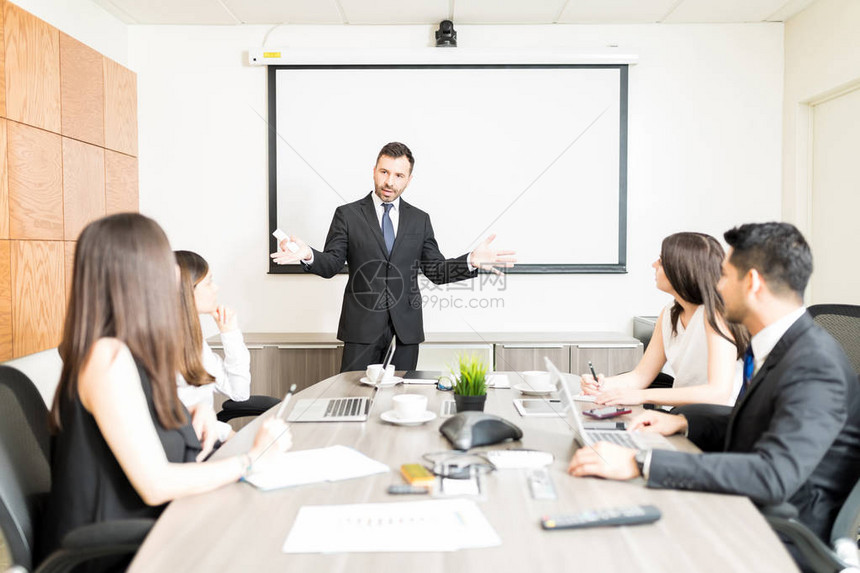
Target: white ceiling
x: 231, y: 12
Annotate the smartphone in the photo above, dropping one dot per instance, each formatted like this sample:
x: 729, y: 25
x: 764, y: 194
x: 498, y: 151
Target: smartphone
x: 608, y: 412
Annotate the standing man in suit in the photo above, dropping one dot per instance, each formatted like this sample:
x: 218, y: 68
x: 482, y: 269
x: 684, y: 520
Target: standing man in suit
x: 385, y: 241
x: 794, y: 433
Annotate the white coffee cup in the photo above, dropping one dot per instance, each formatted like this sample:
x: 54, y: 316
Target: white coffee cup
x: 373, y: 371
x: 409, y: 406
x: 538, y: 381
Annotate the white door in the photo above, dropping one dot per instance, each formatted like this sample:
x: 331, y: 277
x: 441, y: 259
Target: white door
x: 835, y: 207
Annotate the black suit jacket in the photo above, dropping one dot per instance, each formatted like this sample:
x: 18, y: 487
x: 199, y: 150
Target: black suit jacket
x: 794, y: 436
x: 382, y: 285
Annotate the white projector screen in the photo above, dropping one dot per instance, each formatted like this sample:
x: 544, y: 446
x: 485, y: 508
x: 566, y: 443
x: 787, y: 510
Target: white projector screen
x: 536, y: 154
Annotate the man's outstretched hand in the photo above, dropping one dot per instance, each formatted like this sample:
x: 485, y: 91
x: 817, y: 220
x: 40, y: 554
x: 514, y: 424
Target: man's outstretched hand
x: 486, y: 258
x: 284, y: 256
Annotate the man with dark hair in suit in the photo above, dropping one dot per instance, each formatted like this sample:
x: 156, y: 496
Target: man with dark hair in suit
x: 385, y: 241
x: 794, y: 434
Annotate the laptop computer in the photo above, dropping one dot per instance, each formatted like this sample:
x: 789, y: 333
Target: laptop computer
x: 346, y: 409
x: 637, y: 440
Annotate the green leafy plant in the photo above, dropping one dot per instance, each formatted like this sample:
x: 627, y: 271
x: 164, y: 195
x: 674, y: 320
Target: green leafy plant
x: 472, y: 380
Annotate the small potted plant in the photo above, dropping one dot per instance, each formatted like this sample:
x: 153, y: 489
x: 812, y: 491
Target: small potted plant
x: 470, y: 385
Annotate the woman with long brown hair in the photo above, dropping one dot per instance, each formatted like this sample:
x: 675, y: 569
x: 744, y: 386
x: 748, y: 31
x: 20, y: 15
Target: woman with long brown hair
x: 125, y: 445
x: 201, y: 371
x: 691, y: 334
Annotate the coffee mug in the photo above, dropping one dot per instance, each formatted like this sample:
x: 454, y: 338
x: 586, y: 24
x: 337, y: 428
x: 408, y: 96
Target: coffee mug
x: 373, y: 371
x: 538, y: 381
x: 409, y: 406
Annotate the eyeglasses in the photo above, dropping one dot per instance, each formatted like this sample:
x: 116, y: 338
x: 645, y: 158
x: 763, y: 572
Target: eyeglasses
x: 457, y: 465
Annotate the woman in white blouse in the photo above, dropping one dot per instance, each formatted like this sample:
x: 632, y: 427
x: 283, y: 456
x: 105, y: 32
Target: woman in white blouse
x: 202, y: 372
x: 691, y: 334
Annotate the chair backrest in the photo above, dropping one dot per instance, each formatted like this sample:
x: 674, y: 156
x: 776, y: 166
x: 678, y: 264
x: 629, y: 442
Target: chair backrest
x: 25, y: 479
x: 842, y: 321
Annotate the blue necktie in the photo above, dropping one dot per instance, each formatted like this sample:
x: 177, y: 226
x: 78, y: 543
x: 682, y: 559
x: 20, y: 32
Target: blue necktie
x: 387, y: 227
x: 749, y: 366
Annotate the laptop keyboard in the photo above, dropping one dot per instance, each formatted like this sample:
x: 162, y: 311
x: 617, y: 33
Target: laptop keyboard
x: 619, y: 438
x: 340, y: 407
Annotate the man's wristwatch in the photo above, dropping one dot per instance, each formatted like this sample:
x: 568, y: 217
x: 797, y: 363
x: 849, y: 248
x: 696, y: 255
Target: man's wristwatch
x: 643, y: 457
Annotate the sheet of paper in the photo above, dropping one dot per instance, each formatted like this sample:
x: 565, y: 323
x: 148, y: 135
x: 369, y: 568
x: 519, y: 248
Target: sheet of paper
x: 498, y: 381
x: 313, y: 466
x: 432, y: 525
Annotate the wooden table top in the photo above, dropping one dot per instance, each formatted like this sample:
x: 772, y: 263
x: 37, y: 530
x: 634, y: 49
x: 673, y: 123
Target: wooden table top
x: 238, y: 528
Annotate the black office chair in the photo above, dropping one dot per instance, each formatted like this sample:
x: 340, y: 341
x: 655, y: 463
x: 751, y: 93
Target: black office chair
x: 253, y: 406
x: 842, y: 553
x: 25, y: 481
x: 843, y: 322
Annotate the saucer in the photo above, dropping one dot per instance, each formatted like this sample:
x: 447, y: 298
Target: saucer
x: 393, y: 381
x: 528, y: 391
x: 391, y: 418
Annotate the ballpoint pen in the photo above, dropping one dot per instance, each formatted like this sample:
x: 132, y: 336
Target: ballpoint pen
x: 594, y: 374
x: 285, y: 401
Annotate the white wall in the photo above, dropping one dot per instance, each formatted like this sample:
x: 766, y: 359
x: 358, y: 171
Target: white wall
x: 704, y: 154
x: 822, y: 55
x: 85, y: 21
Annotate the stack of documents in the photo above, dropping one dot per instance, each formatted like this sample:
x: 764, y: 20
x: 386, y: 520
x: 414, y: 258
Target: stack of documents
x: 313, y: 466
x: 433, y: 525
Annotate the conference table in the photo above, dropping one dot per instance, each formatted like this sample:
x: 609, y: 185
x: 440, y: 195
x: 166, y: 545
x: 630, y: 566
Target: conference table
x: 240, y: 528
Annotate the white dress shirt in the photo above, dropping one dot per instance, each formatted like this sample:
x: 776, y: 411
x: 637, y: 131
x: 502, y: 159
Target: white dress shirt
x: 763, y: 342
x: 394, y: 213
x: 232, y: 376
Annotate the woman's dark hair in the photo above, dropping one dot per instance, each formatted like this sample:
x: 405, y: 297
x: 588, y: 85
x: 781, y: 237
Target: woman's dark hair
x: 692, y: 263
x: 124, y: 286
x: 192, y: 269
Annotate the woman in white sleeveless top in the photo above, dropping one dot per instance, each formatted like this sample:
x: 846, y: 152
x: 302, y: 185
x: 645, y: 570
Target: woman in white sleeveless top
x: 691, y: 334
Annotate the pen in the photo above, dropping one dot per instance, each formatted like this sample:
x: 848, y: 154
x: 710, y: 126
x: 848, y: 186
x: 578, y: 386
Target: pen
x: 593, y: 373
x: 285, y: 401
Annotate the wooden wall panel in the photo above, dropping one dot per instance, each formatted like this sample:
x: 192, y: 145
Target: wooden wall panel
x: 5, y: 301
x: 120, y: 183
x: 120, y: 108
x: 83, y: 186
x: 2, y: 62
x: 35, y: 183
x: 38, y: 301
x: 4, y: 184
x: 32, y: 69
x: 82, y: 91
x: 68, y: 148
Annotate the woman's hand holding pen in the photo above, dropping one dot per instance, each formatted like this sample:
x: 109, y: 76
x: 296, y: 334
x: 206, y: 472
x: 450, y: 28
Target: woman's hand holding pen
x: 272, y: 438
x: 593, y: 384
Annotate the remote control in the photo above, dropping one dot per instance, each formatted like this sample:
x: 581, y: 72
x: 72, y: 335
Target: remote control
x: 405, y: 488
x: 280, y: 236
x: 541, y: 485
x: 633, y: 515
